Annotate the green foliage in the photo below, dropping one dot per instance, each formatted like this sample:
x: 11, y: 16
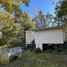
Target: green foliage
x: 26, y: 2
x: 61, y: 11
x: 3, y: 42
x: 24, y: 19
x: 11, y: 30
x: 27, y: 22
x: 42, y: 20
x: 9, y: 4
x: 13, y: 21
x: 38, y: 50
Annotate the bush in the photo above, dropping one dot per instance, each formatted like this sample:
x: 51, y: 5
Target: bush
x: 38, y: 50
x: 3, y: 42
x: 60, y: 47
x: 31, y: 46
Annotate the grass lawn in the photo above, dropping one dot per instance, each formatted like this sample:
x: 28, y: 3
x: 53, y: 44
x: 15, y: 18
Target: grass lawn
x: 44, y: 59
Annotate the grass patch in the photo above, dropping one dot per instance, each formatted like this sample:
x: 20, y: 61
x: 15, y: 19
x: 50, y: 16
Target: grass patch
x: 44, y: 59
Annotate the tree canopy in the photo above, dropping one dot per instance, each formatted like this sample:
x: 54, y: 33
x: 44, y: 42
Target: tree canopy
x: 61, y: 11
x: 13, y: 21
x: 43, y: 20
x: 9, y: 4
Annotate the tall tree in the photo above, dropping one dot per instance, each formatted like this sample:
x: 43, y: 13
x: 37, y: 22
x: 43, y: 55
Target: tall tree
x: 40, y: 20
x: 49, y: 20
x: 61, y: 11
x: 43, y: 20
x: 10, y: 29
x: 25, y: 21
x: 9, y: 4
x: 13, y: 20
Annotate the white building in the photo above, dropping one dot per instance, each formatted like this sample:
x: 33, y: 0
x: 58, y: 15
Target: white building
x: 55, y: 35
x: 0, y: 34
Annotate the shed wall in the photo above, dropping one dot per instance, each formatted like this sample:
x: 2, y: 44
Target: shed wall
x: 30, y: 36
x: 54, y: 36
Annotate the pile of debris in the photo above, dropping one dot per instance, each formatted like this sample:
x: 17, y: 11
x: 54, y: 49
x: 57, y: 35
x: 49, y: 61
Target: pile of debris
x: 9, y: 54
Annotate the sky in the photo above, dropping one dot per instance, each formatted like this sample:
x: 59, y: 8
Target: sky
x: 47, y: 6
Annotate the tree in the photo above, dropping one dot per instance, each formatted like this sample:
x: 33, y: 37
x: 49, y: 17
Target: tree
x: 6, y: 20
x: 12, y: 28
x: 9, y: 4
x: 23, y: 18
x: 42, y: 20
x: 27, y: 22
x: 61, y: 11
x: 49, y: 20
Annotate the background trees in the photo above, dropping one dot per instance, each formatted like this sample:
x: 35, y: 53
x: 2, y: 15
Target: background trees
x: 61, y: 11
x: 43, y: 20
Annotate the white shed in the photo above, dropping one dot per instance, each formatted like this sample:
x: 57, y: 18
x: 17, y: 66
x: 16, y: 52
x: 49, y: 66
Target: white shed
x: 0, y: 34
x: 54, y: 35
x: 30, y: 36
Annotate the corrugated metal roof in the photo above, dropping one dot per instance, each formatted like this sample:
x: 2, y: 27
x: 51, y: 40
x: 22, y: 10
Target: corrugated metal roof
x: 48, y: 28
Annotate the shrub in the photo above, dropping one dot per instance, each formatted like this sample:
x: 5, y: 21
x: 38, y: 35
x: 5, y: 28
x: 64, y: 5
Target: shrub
x: 31, y: 46
x: 38, y: 50
x: 60, y: 47
x: 3, y: 42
